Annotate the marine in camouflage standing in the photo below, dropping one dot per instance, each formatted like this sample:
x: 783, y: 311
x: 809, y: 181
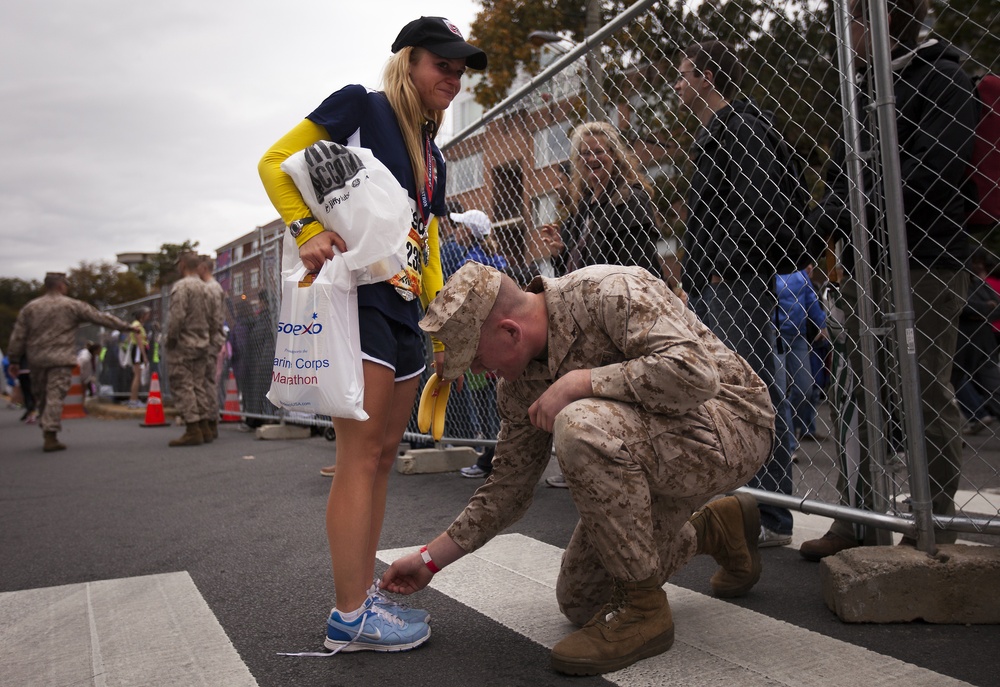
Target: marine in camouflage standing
x: 651, y: 415
x: 45, y: 331
x: 188, y: 339
x: 208, y: 402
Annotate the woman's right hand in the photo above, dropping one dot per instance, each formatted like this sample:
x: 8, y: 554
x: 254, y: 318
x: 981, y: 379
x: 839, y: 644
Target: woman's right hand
x: 319, y: 249
x: 549, y: 234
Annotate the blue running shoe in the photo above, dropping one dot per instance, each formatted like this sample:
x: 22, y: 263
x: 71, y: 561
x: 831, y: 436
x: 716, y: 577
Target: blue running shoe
x: 374, y: 630
x: 400, y: 610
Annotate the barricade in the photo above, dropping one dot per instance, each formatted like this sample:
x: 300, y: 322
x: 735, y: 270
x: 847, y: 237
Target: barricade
x: 73, y: 405
x: 232, y: 406
x: 154, y: 405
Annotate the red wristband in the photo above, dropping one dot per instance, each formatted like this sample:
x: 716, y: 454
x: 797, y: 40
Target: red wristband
x: 428, y: 561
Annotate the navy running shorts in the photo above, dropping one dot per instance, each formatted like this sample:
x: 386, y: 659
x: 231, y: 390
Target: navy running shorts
x: 389, y: 343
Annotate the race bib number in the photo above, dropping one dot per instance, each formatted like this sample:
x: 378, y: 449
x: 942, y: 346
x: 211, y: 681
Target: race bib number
x: 407, y: 280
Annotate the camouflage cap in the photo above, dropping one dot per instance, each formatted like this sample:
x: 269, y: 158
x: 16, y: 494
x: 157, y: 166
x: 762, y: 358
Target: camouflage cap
x: 455, y: 317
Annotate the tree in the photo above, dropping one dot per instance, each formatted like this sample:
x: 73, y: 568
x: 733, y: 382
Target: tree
x: 161, y: 269
x: 974, y: 26
x: 104, y: 283
x: 501, y: 29
x: 14, y: 293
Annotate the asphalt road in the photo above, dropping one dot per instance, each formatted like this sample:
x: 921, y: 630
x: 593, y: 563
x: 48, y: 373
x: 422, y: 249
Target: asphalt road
x: 244, y: 518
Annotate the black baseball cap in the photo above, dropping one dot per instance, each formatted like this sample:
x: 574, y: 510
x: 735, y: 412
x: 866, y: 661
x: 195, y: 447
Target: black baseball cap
x: 441, y: 37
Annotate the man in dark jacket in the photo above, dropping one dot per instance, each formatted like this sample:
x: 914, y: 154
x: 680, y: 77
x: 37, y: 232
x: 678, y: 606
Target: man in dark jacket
x: 936, y: 114
x: 739, y: 199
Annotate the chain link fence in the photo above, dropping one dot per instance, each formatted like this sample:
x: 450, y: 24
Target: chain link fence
x: 614, y: 154
x: 880, y: 338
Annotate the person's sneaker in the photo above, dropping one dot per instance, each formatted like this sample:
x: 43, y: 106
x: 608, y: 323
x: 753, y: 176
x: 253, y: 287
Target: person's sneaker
x: 557, y: 481
x: 400, y: 610
x: 976, y: 425
x: 771, y: 538
x: 474, y: 472
x: 827, y: 545
x: 376, y: 629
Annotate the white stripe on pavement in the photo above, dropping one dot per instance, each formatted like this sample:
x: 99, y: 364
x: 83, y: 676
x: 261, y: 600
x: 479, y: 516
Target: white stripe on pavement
x: 512, y: 580
x: 152, y: 630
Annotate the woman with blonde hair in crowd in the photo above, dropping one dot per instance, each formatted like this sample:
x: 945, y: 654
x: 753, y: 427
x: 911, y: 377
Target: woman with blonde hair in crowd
x: 398, y: 125
x: 612, y: 218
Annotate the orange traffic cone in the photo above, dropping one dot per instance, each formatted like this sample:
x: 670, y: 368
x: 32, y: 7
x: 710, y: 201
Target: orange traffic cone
x: 232, y: 401
x: 154, y: 405
x: 73, y: 403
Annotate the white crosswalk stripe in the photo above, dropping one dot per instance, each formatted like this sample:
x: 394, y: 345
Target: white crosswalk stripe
x: 512, y: 580
x: 150, y: 630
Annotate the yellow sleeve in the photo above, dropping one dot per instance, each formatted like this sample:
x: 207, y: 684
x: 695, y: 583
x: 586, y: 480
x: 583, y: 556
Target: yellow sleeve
x: 432, y: 276
x: 279, y: 186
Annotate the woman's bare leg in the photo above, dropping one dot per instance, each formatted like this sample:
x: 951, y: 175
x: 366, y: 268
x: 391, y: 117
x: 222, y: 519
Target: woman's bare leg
x: 356, y: 505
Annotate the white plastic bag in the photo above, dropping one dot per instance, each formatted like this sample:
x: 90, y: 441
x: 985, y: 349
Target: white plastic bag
x: 317, y: 357
x: 352, y: 193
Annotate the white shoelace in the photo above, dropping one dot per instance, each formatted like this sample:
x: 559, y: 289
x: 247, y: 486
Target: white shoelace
x: 380, y: 612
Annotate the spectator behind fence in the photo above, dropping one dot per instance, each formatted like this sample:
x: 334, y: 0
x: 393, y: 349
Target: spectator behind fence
x: 740, y: 194
x: 138, y: 354
x: 45, y: 332
x: 801, y: 322
x: 398, y: 125
x: 89, y: 361
x: 612, y: 217
x: 208, y: 401
x: 188, y: 336
x: 452, y: 250
x: 936, y: 113
x: 475, y: 233
x: 650, y: 416
x: 975, y: 374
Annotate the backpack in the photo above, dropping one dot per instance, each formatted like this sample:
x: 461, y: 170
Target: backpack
x: 985, y: 166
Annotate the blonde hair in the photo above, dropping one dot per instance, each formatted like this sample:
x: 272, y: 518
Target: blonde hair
x: 627, y: 170
x: 405, y: 102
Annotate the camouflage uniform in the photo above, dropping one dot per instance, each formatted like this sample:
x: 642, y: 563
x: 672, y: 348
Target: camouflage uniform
x: 187, y: 344
x: 46, y: 330
x: 675, y: 419
x: 208, y: 402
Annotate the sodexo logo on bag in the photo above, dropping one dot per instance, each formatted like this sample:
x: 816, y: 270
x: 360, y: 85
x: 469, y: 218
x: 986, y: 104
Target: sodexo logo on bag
x: 313, y: 327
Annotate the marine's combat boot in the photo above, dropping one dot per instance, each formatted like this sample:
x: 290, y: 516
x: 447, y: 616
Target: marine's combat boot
x: 214, y: 426
x: 634, y: 625
x: 191, y: 436
x: 52, y: 443
x: 728, y: 529
x: 206, y: 432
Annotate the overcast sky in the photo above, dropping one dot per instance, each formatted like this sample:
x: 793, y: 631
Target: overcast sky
x: 126, y: 125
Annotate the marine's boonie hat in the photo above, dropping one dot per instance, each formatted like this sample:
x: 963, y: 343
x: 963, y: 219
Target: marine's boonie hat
x: 475, y: 220
x: 441, y: 37
x: 455, y: 317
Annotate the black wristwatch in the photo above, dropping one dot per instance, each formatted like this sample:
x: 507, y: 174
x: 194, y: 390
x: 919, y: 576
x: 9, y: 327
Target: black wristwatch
x: 296, y: 227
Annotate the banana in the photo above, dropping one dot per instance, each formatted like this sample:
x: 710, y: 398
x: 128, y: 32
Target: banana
x: 440, y: 408
x: 425, y: 409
